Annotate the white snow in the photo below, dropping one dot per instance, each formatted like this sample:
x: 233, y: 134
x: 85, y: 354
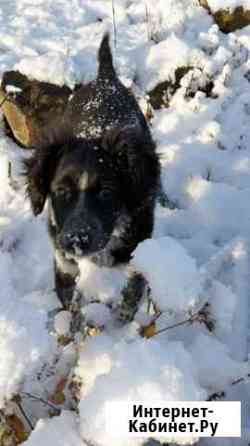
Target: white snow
x: 223, y: 305
x: 97, y: 314
x: 205, y: 351
x: 160, y: 56
x: 166, y: 372
x: 57, y: 431
x: 62, y: 323
x: 172, y: 274
x: 52, y: 67
x: 200, y: 247
x: 24, y: 346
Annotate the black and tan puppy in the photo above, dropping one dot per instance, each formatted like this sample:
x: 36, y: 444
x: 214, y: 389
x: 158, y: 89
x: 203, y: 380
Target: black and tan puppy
x: 100, y: 174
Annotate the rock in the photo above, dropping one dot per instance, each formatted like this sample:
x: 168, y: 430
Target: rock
x: 231, y: 21
x: 29, y: 106
x: 160, y: 96
x: 204, y: 3
x: 227, y: 20
x: 196, y: 80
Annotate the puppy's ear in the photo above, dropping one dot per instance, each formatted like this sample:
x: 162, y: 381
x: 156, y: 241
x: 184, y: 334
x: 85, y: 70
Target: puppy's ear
x: 40, y: 168
x: 39, y: 171
x: 37, y: 177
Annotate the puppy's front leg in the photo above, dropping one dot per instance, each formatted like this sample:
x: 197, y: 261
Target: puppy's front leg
x: 136, y: 289
x: 106, y: 257
x: 66, y: 272
x: 117, y: 249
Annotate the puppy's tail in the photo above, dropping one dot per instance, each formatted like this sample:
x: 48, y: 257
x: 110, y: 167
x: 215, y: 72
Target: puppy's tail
x: 105, y: 58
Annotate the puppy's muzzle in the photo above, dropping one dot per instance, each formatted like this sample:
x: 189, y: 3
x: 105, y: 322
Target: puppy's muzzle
x: 76, y: 241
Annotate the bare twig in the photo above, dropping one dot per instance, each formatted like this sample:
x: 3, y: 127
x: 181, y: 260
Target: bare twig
x: 2, y: 416
x: 41, y: 400
x: 9, y: 170
x: 199, y: 316
x: 178, y: 324
x: 149, y: 305
x: 148, y: 20
x: 216, y: 396
x: 240, y: 380
x: 221, y: 394
x: 3, y: 101
x: 157, y: 315
x: 25, y: 416
x: 114, y: 23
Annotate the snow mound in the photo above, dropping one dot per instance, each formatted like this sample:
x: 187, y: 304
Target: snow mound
x: 56, y: 431
x: 52, y: 67
x: 96, y: 314
x: 172, y: 274
x: 169, y: 55
x: 216, y: 369
x: 63, y: 322
x: 25, y: 345
x: 108, y: 370
x: 223, y: 305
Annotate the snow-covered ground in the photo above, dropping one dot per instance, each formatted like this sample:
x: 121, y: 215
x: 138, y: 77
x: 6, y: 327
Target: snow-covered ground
x: 200, y: 248
x: 216, y: 5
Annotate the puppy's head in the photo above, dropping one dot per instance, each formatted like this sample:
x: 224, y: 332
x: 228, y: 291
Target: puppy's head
x: 90, y: 184
x: 84, y: 199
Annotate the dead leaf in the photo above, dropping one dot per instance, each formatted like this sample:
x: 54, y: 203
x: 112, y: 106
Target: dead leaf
x: 58, y: 396
x: 148, y: 331
x: 17, y: 426
x: 94, y: 331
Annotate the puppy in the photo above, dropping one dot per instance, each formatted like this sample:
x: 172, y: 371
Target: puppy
x: 100, y: 174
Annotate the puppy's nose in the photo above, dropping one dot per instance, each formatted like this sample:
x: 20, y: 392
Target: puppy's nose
x: 73, y: 241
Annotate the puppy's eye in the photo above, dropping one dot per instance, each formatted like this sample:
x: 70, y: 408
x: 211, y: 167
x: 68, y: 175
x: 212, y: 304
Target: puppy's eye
x: 64, y: 193
x: 105, y: 195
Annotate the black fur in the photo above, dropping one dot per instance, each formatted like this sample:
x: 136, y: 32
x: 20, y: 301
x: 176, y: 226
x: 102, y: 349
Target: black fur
x: 100, y: 172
